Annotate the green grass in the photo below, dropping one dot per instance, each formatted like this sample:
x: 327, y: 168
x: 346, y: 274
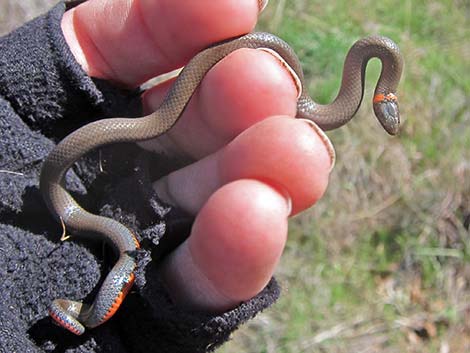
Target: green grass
x: 382, y: 263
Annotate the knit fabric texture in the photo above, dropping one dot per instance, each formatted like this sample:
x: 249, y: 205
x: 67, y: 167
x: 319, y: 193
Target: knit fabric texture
x: 44, y: 95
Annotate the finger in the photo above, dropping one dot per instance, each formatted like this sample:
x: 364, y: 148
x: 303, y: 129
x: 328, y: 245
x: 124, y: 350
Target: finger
x: 287, y: 153
x: 132, y: 41
x: 234, y: 247
x: 244, y: 88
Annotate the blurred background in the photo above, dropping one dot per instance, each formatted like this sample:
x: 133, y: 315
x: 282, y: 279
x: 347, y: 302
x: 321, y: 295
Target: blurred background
x: 382, y: 262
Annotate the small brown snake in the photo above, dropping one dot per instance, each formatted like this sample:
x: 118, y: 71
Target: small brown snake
x: 75, y: 315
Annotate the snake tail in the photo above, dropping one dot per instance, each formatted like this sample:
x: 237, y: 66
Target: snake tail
x: 74, y: 316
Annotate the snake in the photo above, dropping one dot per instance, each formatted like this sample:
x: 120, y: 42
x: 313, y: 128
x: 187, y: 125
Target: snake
x: 74, y: 315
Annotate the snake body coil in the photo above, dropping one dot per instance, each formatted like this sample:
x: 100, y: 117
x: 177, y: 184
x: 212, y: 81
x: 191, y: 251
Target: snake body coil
x: 75, y: 315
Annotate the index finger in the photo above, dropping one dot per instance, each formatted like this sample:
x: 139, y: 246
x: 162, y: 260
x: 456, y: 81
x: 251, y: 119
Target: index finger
x: 131, y: 41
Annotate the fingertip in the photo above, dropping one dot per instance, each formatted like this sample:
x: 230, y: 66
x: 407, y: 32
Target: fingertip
x: 234, y: 247
x: 106, y: 35
x: 286, y: 151
x: 239, y: 235
x: 245, y: 88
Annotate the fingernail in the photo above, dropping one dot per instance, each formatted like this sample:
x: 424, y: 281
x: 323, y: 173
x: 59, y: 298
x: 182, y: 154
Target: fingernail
x: 288, y: 200
x: 326, y: 142
x: 161, y: 188
x: 262, y: 4
x: 295, y: 77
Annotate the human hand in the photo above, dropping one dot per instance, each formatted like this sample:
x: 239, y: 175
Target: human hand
x: 255, y: 165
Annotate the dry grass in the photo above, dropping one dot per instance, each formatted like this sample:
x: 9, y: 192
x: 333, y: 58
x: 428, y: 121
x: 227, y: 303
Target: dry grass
x: 381, y: 264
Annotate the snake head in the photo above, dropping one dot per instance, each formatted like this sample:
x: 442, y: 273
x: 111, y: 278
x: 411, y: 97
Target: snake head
x: 386, y: 110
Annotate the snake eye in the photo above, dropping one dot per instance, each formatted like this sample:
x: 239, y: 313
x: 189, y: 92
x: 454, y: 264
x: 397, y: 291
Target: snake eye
x: 388, y: 114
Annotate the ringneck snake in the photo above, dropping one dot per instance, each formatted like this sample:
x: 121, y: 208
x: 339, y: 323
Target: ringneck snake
x: 74, y: 315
